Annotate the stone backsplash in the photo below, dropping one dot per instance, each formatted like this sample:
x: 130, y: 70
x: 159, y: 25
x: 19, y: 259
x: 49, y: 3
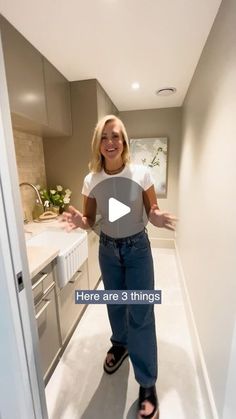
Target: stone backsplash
x: 31, y: 167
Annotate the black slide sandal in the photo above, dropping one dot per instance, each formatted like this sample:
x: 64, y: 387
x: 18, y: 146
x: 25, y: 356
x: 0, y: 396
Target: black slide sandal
x: 148, y: 394
x: 119, y: 353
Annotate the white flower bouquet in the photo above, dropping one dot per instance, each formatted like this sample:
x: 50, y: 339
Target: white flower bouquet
x: 55, y: 197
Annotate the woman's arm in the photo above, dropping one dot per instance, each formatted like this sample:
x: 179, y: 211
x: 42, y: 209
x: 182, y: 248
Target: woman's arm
x: 149, y: 199
x: 89, y: 210
x: 75, y: 219
x: 155, y: 216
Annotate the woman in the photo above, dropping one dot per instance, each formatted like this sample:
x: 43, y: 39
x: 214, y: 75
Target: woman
x: 125, y: 261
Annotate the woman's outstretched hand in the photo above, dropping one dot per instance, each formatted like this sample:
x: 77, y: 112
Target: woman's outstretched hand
x: 162, y: 219
x: 73, y: 219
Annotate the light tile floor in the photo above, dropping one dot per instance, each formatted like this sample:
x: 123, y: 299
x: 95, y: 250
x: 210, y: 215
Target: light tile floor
x: 78, y: 388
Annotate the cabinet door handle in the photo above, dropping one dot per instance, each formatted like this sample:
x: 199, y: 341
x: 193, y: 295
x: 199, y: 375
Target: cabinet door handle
x: 51, y: 286
x: 46, y: 292
x: 72, y: 281
x: 39, y: 281
x: 42, y: 309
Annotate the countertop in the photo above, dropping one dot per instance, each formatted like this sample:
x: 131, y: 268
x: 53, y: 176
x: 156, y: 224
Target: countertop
x: 39, y: 257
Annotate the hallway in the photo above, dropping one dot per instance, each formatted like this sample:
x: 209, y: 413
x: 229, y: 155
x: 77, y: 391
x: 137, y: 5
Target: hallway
x: 78, y: 388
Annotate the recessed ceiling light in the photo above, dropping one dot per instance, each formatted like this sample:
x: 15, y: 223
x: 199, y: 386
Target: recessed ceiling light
x: 135, y: 85
x: 29, y: 98
x: 165, y: 91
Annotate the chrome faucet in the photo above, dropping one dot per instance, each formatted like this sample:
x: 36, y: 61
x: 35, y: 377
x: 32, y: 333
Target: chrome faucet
x: 36, y: 191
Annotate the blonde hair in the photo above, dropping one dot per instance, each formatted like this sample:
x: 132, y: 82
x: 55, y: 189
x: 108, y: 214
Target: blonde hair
x: 97, y: 161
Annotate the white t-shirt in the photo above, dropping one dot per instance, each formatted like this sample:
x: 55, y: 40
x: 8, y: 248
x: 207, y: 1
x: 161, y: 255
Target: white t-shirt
x: 95, y: 187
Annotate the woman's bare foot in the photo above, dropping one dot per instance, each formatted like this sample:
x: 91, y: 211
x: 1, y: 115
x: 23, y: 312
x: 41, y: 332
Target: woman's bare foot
x: 114, y: 358
x: 110, y: 359
x: 148, y: 403
x: 147, y: 408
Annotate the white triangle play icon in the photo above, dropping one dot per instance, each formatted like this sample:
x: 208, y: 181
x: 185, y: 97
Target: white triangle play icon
x: 116, y: 210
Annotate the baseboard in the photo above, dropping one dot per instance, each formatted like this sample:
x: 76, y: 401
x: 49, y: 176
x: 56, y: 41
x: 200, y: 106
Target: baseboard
x: 163, y: 243
x: 198, y: 352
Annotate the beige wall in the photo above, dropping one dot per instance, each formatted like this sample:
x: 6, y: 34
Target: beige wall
x: 206, y: 236
x: 30, y: 165
x: 160, y: 123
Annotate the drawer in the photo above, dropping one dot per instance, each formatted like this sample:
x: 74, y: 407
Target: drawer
x: 80, y: 278
x: 48, y: 330
x: 41, y: 282
x: 69, y: 311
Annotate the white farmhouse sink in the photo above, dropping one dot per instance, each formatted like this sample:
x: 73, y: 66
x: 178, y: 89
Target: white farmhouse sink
x: 73, y: 251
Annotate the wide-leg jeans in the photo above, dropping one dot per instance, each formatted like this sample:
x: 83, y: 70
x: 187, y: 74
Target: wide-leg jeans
x: 127, y: 264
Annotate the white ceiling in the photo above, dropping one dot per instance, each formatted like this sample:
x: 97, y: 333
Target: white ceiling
x: 155, y: 42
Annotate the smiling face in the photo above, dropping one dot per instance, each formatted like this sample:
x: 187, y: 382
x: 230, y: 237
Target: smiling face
x: 111, y: 146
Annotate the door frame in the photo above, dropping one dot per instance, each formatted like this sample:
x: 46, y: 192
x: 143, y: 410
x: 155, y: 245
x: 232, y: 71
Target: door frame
x: 22, y: 392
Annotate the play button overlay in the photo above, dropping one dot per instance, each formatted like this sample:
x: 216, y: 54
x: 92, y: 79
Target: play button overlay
x: 117, y: 210
x: 120, y: 208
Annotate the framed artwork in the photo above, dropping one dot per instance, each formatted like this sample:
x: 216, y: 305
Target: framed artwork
x: 152, y: 152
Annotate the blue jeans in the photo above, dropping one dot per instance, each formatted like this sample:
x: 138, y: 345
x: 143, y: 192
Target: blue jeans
x: 126, y: 264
